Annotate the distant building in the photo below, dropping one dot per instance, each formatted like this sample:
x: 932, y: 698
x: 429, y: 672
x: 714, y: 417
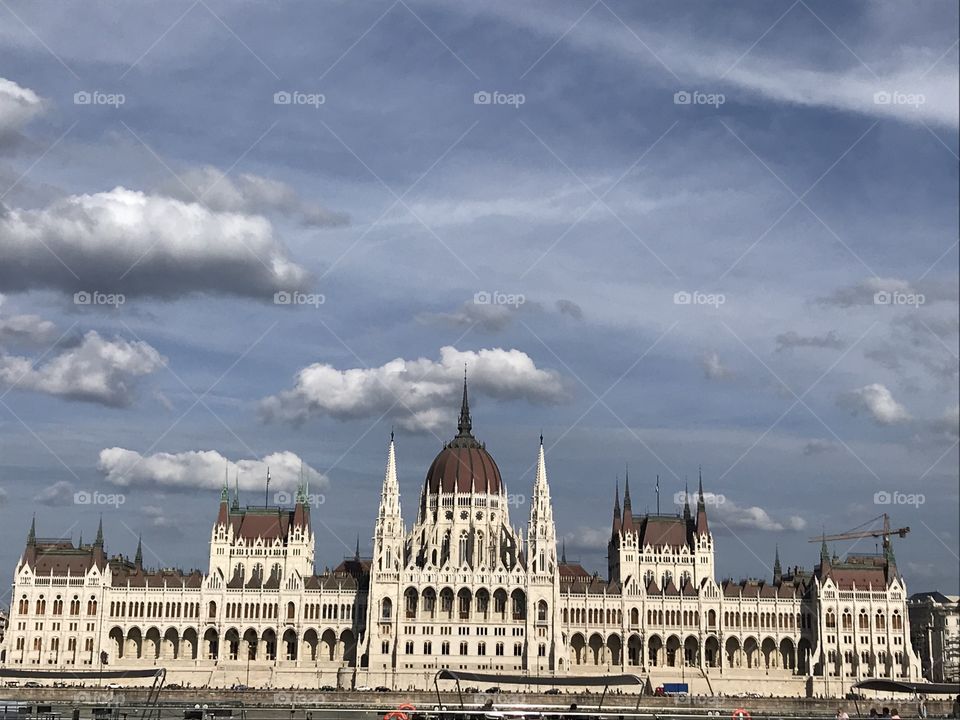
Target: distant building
x: 935, y: 634
x: 465, y: 589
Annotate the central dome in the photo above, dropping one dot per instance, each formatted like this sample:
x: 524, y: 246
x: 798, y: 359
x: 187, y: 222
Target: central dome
x: 464, y: 465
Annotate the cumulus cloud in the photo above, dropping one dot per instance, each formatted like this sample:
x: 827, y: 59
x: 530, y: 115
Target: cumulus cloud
x: 204, y: 469
x: 569, y: 307
x: 96, y: 370
x: 156, y: 516
x: 713, y: 368
x: 420, y: 394
x: 248, y: 193
x: 876, y: 401
x: 138, y: 244
x: 60, y: 493
x: 749, y: 517
x: 791, y: 339
x: 18, y: 106
x: 25, y: 329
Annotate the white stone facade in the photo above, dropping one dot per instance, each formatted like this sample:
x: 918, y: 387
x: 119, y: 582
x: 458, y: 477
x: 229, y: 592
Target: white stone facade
x: 462, y: 589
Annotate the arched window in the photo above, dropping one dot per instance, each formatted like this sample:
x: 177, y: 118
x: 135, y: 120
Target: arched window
x: 386, y: 609
x: 831, y: 619
x: 542, y: 611
x: 464, y: 549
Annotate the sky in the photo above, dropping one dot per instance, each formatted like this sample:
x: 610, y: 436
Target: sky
x: 674, y: 238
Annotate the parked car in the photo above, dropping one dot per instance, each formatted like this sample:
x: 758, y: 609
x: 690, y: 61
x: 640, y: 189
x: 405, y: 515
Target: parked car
x: 381, y: 688
x: 113, y: 686
x: 173, y: 686
x: 552, y: 691
x: 31, y: 684
x: 327, y: 688
x: 362, y: 688
x: 471, y: 689
x: 493, y: 689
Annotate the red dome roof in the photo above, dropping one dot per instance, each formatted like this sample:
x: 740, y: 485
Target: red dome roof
x: 463, y: 469
x: 464, y: 465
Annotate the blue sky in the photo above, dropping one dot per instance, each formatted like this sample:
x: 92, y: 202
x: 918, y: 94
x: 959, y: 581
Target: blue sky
x: 790, y: 168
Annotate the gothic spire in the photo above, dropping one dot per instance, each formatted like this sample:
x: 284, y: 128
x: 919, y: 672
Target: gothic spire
x: 138, y: 558
x: 236, y: 491
x: 616, y: 508
x: 686, y: 501
x: 99, y: 541
x: 777, y: 570
x: 356, y: 554
x: 225, y: 490
x: 464, y: 424
x: 563, y: 552
x: 32, y: 535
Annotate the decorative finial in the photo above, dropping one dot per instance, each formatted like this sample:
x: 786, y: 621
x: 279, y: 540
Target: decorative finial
x: 464, y: 425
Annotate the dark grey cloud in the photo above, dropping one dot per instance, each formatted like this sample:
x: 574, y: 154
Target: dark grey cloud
x: 791, y: 339
x: 569, y: 307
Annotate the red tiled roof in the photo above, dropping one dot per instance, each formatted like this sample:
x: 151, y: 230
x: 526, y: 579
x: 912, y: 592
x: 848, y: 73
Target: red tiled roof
x: 660, y: 531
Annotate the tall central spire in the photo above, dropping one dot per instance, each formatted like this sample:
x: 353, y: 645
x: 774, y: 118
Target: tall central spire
x: 464, y: 424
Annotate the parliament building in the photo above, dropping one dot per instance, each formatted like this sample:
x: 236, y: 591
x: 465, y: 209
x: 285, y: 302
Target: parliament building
x: 462, y: 588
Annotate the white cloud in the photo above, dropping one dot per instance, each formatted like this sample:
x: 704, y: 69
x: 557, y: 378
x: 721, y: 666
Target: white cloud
x: 752, y: 517
x: 713, y: 368
x: 586, y: 538
x: 248, y: 193
x: 60, y: 493
x: 96, y: 370
x: 204, y: 469
x: 156, y: 516
x: 138, y: 244
x: 796, y: 80
x: 25, y: 329
x: 421, y: 394
x: 18, y: 106
x: 876, y: 401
